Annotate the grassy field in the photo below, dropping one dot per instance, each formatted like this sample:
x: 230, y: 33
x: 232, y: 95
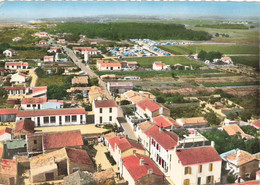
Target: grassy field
x: 149, y: 74
x: 51, y: 80
x: 223, y: 26
x: 236, y: 49
x: 252, y: 61
x: 224, y: 84
x: 147, y: 62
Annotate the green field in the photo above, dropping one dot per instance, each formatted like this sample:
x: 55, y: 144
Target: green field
x: 252, y: 61
x: 149, y: 74
x: 223, y: 26
x: 147, y: 62
x: 236, y: 49
x: 224, y: 84
x: 53, y: 80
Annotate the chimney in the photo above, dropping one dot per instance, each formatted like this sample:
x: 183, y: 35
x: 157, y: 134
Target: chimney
x: 212, y: 144
x: 150, y: 171
x: 141, y: 161
x: 161, y: 128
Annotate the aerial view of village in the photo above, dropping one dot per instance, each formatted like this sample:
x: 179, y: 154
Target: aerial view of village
x: 129, y: 93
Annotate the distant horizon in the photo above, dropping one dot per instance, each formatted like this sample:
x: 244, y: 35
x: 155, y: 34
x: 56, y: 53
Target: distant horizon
x: 33, y: 10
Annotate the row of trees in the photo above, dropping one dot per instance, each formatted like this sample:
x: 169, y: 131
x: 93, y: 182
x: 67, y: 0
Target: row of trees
x: 122, y: 31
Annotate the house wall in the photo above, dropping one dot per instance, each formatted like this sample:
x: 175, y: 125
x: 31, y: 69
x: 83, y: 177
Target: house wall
x: 21, y: 133
x: 34, y: 147
x: 42, y: 178
x: 5, y: 179
x: 31, y: 107
x: 14, y: 92
x: 39, y: 120
x: 81, y: 167
x: 125, y: 174
x: 249, y: 168
x: 143, y: 139
x: 14, y: 67
x: 5, y: 136
x: 151, y: 179
x: 109, y: 68
x: 177, y: 174
x: 105, y: 115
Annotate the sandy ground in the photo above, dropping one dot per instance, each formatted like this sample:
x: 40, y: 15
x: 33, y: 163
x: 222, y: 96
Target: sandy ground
x: 85, y: 129
x: 100, y: 157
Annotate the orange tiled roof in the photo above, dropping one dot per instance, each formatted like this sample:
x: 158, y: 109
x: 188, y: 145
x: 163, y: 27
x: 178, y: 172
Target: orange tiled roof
x: 240, y: 157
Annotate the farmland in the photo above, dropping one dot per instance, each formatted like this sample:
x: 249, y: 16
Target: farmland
x: 252, y: 61
x: 236, y: 49
x: 149, y: 74
x: 54, y: 80
x: 147, y: 62
x: 224, y: 84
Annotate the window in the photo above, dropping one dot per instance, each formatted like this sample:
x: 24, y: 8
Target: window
x: 34, y: 105
x: 157, y: 146
x: 210, y: 179
x: 46, y: 120
x: 200, y: 168
x: 199, y: 181
x: 110, y: 118
x: 74, y: 118
x: 53, y: 119
x: 100, y: 119
x: 28, y: 105
x: 186, y: 182
x: 110, y: 110
x: 211, y: 167
x: 187, y: 170
x: 35, y: 142
x: 100, y: 110
x: 67, y: 118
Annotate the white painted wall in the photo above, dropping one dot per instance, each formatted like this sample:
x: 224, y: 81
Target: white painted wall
x: 16, y: 78
x: 105, y: 115
x: 5, y: 137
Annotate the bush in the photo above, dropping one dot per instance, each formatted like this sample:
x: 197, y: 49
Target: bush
x: 125, y: 102
x: 94, y: 81
x: 88, y: 107
x: 110, y: 158
x: 160, y: 99
x: 230, y: 179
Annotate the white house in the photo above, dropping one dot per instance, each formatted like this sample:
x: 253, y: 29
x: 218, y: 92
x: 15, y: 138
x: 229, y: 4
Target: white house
x: 87, y: 50
x: 16, y: 90
x: 148, y: 108
x: 162, y: 145
x: 159, y: 66
x: 33, y: 103
x: 41, y: 34
x: 140, y: 133
x: 105, y: 111
x: 108, y: 66
x: 6, y: 134
x: 61, y: 41
x: 18, y: 78
x: 16, y: 39
x: 54, y: 49
x: 16, y: 65
x: 43, y: 42
x: 48, y: 58
x: 54, y: 117
x: 200, y: 165
x: 10, y: 53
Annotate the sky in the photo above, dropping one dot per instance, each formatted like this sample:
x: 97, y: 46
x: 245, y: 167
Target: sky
x: 48, y: 9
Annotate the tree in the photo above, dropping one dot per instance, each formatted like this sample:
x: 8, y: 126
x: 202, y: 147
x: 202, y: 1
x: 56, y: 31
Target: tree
x: 3, y: 95
x: 212, y: 118
x: 160, y: 99
x: 94, y: 81
x: 60, y: 70
x: 248, y: 129
x: 217, y: 35
x: 232, y: 116
x: 56, y: 91
x: 246, y: 115
x: 202, y: 55
x: 125, y: 102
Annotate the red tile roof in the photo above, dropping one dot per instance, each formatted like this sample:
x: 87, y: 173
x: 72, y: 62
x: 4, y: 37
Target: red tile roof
x: 164, y: 121
x: 136, y: 170
x: 166, y: 139
x: 39, y: 89
x: 159, y: 64
x: 6, y: 130
x: 256, y: 124
x: 150, y: 105
x: 113, y: 140
x: 26, y: 124
x: 105, y: 104
x: 125, y: 144
x: 15, y: 88
x: 198, y: 155
x: 34, y: 100
x: 8, y: 111
x: 8, y: 167
x: 62, y: 139
x: 253, y: 182
x: 16, y: 64
x: 50, y: 112
x: 48, y: 57
x: 79, y: 156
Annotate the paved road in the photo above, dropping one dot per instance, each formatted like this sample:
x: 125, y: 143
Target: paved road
x: 87, y: 70
x: 129, y: 131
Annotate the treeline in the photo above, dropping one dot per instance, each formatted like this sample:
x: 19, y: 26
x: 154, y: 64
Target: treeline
x: 223, y: 26
x: 121, y: 31
x: 203, y: 55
